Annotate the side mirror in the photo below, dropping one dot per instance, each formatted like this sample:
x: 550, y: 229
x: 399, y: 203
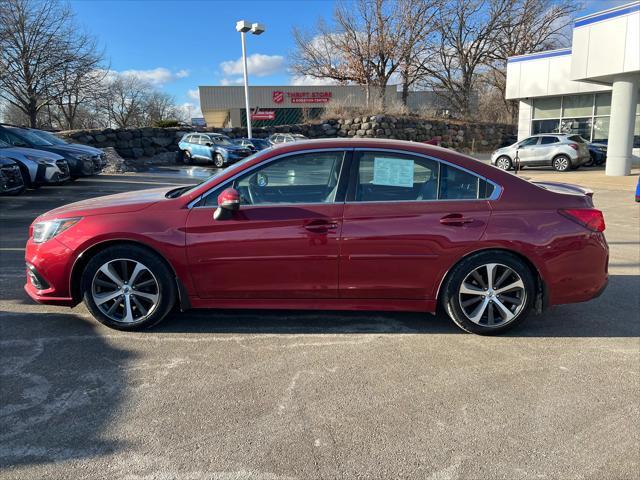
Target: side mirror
x: 228, y: 202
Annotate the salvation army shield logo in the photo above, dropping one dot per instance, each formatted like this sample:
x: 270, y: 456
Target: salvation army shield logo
x: 278, y: 97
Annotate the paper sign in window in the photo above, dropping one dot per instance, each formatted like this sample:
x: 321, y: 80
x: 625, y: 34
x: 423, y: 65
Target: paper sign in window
x: 393, y: 172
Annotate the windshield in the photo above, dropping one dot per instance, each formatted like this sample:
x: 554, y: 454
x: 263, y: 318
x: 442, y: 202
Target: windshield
x: 4, y: 144
x: 31, y: 137
x: 221, y: 140
x: 260, y: 143
x: 48, y: 136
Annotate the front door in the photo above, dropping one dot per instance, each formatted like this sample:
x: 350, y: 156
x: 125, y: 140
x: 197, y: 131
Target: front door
x: 283, y: 241
x: 406, y: 220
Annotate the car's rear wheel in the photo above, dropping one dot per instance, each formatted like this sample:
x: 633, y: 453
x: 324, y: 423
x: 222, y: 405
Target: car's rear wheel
x: 218, y: 160
x: 504, y: 163
x: 186, y: 157
x: 561, y: 163
x: 489, y: 293
x: 128, y: 288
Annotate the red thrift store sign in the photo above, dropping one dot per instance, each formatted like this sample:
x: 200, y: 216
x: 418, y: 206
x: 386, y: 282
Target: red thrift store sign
x: 263, y: 115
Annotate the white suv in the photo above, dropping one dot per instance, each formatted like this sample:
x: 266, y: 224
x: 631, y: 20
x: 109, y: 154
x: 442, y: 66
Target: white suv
x: 560, y: 151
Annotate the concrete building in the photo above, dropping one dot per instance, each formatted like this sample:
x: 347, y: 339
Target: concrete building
x: 287, y: 104
x: 590, y: 89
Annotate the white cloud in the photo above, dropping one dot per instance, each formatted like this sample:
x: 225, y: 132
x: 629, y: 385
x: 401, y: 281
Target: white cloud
x: 257, y: 64
x: 194, y: 94
x: 157, y: 76
x: 307, y: 81
x: 231, y: 81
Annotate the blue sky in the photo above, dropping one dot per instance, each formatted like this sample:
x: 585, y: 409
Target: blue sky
x: 178, y: 45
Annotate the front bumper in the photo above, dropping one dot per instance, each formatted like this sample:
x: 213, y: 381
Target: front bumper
x: 54, y: 173
x: 51, y: 263
x: 10, y: 179
x: 81, y: 167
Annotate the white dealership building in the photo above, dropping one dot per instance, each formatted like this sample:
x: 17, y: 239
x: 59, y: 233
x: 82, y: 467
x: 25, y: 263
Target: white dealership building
x: 590, y: 88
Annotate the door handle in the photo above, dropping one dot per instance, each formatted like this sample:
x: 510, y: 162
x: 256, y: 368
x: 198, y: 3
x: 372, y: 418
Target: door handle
x: 321, y: 226
x: 455, y: 219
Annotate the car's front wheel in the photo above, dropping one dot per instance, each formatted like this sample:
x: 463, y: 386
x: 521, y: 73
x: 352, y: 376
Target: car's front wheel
x: 128, y: 287
x: 504, y: 163
x: 218, y: 160
x: 186, y: 157
x: 489, y: 292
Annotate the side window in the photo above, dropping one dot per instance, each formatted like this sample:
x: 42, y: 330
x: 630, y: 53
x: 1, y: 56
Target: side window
x: 387, y: 177
x: 306, y: 178
x: 528, y: 142
x: 548, y: 140
x: 456, y: 184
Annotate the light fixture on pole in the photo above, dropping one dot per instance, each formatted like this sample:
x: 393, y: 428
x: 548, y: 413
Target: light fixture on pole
x: 243, y: 27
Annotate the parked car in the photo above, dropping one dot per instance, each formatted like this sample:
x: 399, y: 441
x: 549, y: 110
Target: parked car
x: 37, y: 167
x: 328, y: 224
x: 211, y: 147
x: 597, y: 154
x: 80, y: 163
x: 560, y: 151
x: 278, y: 138
x: 255, y: 144
x: 98, y: 156
x: 638, y: 191
x: 11, y: 182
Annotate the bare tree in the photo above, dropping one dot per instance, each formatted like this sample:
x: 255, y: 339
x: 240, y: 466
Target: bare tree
x: 123, y: 101
x: 529, y: 26
x: 366, y: 43
x: 159, y: 106
x: 38, y: 41
x: 468, y: 31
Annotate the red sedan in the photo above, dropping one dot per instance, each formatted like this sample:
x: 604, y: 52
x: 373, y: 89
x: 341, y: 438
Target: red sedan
x: 328, y: 224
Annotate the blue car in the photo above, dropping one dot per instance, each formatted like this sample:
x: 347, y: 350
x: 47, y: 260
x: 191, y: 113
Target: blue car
x: 597, y: 154
x: 212, y: 148
x: 638, y: 190
x: 254, y: 144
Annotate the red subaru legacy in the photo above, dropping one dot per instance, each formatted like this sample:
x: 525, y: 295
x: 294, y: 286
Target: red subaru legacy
x: 328, y: 224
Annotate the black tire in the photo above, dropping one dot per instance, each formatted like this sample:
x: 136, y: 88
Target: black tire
x: 187, y: 159
x: 166, y: 287
x: 504, y: 163
x: 218, y: 160
x: 452, y: 295
x: 591, y: 162
x: 561, y: 163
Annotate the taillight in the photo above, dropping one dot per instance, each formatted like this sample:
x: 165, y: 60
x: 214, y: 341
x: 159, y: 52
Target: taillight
x: 587, y: 217
x: 574, y: 146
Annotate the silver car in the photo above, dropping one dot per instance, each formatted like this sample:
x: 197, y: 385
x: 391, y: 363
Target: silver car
x: 278, y: 138
x: 560, y: 151
x: 37, y: 167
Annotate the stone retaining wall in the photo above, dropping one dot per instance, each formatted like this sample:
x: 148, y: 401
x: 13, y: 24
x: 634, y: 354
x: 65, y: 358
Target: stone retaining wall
x: 465, y: 137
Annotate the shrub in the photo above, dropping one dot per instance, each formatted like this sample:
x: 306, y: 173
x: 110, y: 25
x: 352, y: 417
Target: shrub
x: 166, y: 123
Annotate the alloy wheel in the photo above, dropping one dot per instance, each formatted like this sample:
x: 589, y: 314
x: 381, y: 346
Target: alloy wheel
x: 561, y: 164
x: 503, y: 163
x: 492, y: 295
x: 125, y: 290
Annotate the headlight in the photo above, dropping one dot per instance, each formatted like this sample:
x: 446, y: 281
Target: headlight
x: 43, y: 231
x: 80, y: 156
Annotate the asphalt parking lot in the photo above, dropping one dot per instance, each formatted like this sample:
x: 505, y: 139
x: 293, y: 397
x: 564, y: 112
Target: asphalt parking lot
x: 281, y: 395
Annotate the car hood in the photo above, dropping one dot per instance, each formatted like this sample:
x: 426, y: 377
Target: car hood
x: 118, y: 203
x: 233, y: 147
x: 84, y: 149
x: 20, y: 152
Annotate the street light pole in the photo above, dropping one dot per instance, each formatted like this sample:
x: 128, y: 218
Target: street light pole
x: 246, y: 84
x: 243, y: 27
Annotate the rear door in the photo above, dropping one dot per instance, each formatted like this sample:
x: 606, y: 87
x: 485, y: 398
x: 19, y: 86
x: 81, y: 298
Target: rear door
x: 406, y: 220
